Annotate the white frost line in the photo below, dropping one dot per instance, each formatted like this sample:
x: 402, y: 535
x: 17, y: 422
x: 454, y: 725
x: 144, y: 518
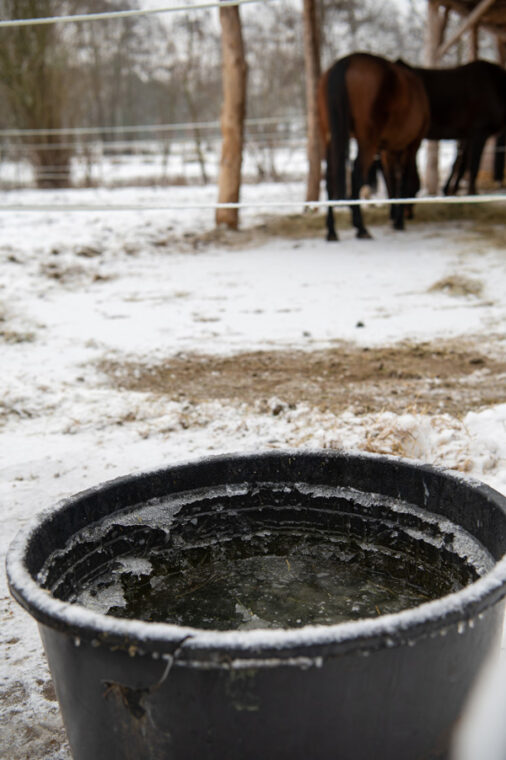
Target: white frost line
x: 175, y: 126
x: 124, y: 14
x: 451, y: 200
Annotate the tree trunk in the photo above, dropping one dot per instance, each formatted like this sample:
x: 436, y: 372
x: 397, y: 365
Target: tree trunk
x: 36, y: 80
x: 501, y: 50
x: 234, y: 75
x: 197, y: 138
x: 52, y: 165
x: 435, y: 31
x: 313, y: 71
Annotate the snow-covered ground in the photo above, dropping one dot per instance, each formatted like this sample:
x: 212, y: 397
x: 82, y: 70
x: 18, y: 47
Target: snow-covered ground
x: 78, y: 288
x: 152, y: 161
x: 148, y: 162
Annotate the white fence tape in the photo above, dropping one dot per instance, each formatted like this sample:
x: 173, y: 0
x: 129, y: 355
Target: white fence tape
x: 133, y: 128
x: 424, y: 200
x: 124, y: 14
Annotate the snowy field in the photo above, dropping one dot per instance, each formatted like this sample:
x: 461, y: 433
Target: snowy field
x: 127, y: 337
x: 149, y: 162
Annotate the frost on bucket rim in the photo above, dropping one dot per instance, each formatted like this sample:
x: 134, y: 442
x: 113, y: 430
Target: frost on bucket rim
x: 459, y: 608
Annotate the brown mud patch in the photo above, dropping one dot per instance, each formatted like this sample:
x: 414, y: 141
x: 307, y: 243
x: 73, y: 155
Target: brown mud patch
x: 445, y: 377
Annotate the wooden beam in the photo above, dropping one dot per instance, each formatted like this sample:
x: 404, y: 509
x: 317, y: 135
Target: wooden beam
x: 494, y: 20
x: 501, y: 49
x: 435, y: 32
x: 471, y: 20
x: 474, y: 43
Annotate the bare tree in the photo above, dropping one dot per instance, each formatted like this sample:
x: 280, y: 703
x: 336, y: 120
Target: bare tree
x: 195, y: 76
x: 35, y: 77
x: 378, y: 26
x: 119, y: 60
x: 232, y: 115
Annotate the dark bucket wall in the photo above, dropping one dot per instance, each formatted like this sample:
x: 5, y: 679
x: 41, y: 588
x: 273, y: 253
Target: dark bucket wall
x: 396, y: 703
x: 394, y: 694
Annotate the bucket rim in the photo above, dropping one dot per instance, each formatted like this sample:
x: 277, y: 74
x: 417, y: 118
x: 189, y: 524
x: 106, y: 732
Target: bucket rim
x: 310, y: 642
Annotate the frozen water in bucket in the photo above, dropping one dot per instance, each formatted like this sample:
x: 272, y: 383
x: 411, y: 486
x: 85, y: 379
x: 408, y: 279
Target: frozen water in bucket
x: 240, y: 568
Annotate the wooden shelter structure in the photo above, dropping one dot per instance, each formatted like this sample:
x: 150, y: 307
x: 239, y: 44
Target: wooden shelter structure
x: 489, y: 15
x: 475, y: 14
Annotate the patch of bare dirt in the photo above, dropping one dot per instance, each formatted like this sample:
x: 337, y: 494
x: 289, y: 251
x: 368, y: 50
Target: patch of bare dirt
x: 452, y: 377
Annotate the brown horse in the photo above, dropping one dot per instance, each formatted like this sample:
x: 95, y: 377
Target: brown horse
x: 384, y: 106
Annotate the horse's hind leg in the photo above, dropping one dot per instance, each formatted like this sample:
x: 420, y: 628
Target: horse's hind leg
x: 356, y: 213
x: 395, y: 186
x: 412, y: 185
x: 475, y: 151
x: 499, y: 162
x: 390, y: 183
x: 458, y: 169
x: 450, y: 186
x: 331, y: 229
x: 405, y: 183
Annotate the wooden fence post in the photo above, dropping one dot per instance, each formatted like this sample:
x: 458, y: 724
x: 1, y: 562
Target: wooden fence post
x: 432, y: 42
x: 313, y: 71
x: 234, y: 76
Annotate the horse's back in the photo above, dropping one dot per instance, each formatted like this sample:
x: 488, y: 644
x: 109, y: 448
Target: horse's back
x: 409, y: 108
x: 465, y: 100
x: 371, y: 85
x: 388, y: 103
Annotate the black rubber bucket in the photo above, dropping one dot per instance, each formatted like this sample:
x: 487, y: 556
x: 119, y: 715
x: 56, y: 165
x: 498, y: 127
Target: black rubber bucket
x: 388, y: 687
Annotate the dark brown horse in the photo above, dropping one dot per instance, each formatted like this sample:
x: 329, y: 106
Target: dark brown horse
x: 384, y: 106
x: 467, y: 103
x: 462, y: 163
x: 500, y: 157
x: 459, y: 167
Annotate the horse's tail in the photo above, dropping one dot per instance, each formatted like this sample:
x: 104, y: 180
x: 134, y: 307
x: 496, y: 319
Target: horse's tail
x: 339, y: 122
x: 499, y: 157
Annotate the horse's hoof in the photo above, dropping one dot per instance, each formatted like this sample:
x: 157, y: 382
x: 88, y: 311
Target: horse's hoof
x: 331, y: 237
x: 364, y: 234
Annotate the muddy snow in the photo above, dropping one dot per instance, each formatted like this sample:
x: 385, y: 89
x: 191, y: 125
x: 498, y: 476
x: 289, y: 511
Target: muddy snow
x: 137, y: 339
